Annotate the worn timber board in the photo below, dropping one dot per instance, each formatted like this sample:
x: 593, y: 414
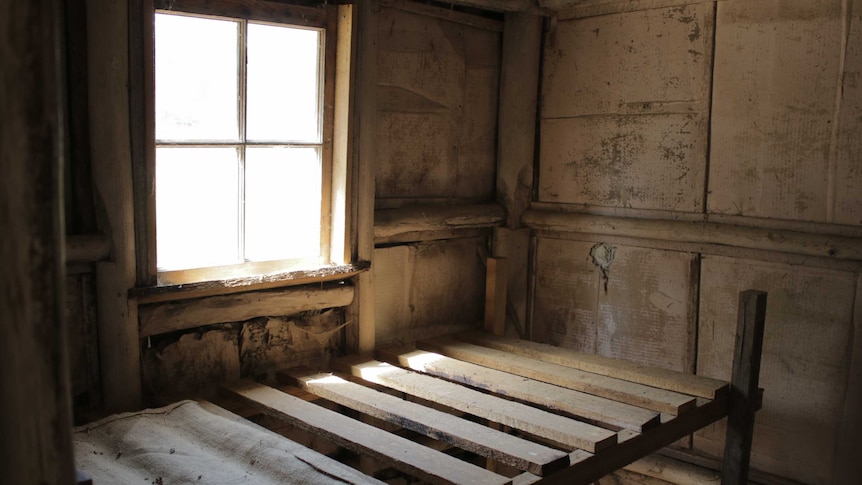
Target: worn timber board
x: 805, y: 360
x: 625, y: 108
x: 777, y: 71
x: 437, y: 101
x: 646, y: 314
x: 429, y: 288
x: 467, y: 435
x: 567, y: 433
x: 424, y: 463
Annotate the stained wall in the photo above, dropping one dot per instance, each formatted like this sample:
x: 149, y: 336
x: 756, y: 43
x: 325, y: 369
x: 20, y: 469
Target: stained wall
x: 741, y: 114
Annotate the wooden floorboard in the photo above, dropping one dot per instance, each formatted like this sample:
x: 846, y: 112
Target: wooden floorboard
x: 595, y: 409
x: 400, y: 453
x: 621, y: 369
x: 617, y: 389
x: 482, y: 440
x: 559, y: 429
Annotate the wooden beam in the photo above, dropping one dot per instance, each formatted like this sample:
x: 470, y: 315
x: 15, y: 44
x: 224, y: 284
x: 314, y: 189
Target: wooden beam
x: 35, y: 409
x: 588, y: 407
x: 363, y: 140
x: 495, y: 296
x: 822, y: 245
x: 389, y: 224
x: 628, y: 392
x: 87, y: 248
x: 572, y: 434
x: 110, y: 144
x: 169, y: 317
x: 575, y: 9
x: 238, y: 285
x: 751, y: 319
x: 402, y: 454
x: 496, y: 5
x: 467, y: 435
x: 518, y: 101
x: 587, y: 468
x: 597, y: 364
x: 445, y: 14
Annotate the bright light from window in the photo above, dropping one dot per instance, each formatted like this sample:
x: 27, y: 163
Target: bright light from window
x: 196, y: 79
x: 196, y: 211
x: 283, y: 73
x: 239, y: 144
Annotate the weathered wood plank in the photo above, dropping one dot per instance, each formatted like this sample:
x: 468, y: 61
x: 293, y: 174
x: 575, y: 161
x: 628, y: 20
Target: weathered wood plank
x: 587, y: 467
x: 412, y: 458
x: 830, y: 246
x: 495, y: 295
x: 470, y: 436
x: 621, y: 369
x: 591, y: 408
x: 390, y: 223
x: 599, y: 385
x: 751, y: 319
x: 362, y: 166
x: 35, y: 409
x: 325, y: 274
x: 156, y: 319
x: 108, y: 85
x: 561, y: 430
x: 445, y: 14
x: 519, y: 88
x: 252, y: 9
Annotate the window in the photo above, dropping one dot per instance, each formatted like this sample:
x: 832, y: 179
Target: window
x: 243, y: 169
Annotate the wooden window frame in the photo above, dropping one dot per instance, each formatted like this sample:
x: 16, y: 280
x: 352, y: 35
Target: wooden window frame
x: 336, y: 239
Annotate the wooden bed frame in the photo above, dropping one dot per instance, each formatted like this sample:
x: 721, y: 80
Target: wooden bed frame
x: 524, y: 412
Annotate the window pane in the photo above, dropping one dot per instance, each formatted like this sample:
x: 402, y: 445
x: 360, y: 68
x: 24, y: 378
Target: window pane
x: 282, y: 203
x: 196, y: 78
x: 197, y: 214
x: 283, y: 77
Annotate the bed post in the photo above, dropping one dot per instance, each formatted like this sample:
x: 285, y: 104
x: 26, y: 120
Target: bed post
x: 751, y: 317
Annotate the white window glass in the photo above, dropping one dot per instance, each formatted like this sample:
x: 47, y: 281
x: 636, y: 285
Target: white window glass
x: 197, y: 216
x: 283, y: 78
x: 196, y: 78
x: 282, y: 203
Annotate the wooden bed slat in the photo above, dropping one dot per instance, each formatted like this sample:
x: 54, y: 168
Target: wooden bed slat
x: 467, y: 435
x: 402, y: 454
x: 619, y: 390
x: 629, y: 371
x: 588, y: 467
x: 599, y: 410
x: 553, y: 427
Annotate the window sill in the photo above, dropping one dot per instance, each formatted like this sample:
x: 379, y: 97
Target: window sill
x: 154, y: 294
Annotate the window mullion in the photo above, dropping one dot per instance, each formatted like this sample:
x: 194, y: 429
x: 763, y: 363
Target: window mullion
x: 242, y: 112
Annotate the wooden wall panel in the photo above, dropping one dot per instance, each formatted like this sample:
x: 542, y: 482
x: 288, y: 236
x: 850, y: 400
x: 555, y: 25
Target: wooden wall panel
x: 428, y: 289
x: 646, y: 313
x: 437, y: 98
x: 625, y: 113
x: 848, y: 176
x: 776, y: 77
x: 807, y: 344
x: 636, y: 62
x: 645, y: 162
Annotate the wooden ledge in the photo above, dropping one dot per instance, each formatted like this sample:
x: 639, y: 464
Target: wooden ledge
x: 394, y: 225
x: 153, y: 294
x: 782, y: 241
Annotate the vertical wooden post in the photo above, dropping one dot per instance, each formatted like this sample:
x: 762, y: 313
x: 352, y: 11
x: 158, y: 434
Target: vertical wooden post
x: 360, y: 335
x: 519, y: 91
x: 495, y: 296
x: 743, y: 386
x: 35, y: 408
x: 111, y: 157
